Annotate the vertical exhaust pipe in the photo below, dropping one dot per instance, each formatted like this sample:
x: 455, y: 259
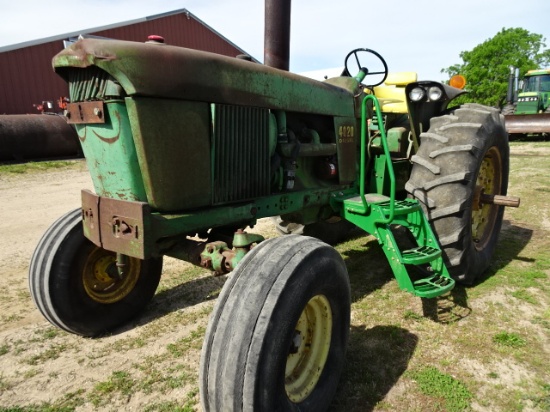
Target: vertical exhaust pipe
x: 516, y: 84
x: 513, y: 86
x: 277, y: 34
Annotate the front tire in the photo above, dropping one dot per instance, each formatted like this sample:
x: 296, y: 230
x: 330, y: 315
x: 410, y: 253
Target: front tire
x: 75, y: 285
x: 463, y: 156
x: 276, y: 340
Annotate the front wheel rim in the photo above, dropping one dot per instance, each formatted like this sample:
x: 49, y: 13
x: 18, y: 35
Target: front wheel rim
x: 101, y: 280
x: 309, y: 349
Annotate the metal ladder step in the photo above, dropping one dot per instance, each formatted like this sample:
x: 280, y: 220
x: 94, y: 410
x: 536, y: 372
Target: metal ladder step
x: 433, y: 286
x: 402, y: 207
x: 420, y: 255
x: 383, y: 203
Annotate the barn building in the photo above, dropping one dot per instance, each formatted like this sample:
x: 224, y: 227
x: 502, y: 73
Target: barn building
x: 27, y: 77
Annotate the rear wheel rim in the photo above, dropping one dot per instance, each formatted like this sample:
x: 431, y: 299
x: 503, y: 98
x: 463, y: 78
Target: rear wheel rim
x: 309, y: 349
x: 489, y: 181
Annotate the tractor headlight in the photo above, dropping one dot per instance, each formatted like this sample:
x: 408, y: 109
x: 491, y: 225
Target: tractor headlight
x: 434, y: 93
x: 417, y: 94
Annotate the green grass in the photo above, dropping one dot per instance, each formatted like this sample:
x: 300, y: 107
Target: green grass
x: 478, y: 348
x: 454, y: 394
x: 524, y: 295
x: 120, y: 383
x: 36, y: 167
x: 512, y: 340
x: 4, y: 349
x: 50, y: 353
x: 194, y: 340
x: 40, y: 408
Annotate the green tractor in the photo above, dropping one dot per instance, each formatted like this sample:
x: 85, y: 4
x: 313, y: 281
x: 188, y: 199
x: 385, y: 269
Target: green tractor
x: 527, y: 111
x: 187, y: 149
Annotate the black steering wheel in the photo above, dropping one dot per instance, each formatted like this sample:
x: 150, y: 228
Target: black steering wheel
x: 360, y: 67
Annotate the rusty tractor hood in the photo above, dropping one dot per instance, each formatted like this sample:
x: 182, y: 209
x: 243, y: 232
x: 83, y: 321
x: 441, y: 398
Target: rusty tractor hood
x: 160, y: 70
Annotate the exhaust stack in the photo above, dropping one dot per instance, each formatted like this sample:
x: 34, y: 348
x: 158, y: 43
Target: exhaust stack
x: 277, y: 34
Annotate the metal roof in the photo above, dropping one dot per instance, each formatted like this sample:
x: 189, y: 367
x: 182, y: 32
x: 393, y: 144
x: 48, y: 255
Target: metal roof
x: 26, y: 68
x: 66, y: 36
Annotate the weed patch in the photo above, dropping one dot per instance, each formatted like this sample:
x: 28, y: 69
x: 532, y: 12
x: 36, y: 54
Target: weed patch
x: 455, y: 395
x: 512, y: 340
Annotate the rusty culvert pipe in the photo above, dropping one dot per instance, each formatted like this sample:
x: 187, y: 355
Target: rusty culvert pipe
x: 37, y: 136
x: 277, y: 34
x: 527, y: 123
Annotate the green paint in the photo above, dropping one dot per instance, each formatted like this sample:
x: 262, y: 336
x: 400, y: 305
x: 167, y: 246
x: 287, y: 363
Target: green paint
x: 111, y: 155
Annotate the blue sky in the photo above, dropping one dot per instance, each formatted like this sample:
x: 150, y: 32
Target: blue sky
x: 422, y: 35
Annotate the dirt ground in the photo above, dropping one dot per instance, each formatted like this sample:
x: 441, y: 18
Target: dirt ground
x: 30, y: 203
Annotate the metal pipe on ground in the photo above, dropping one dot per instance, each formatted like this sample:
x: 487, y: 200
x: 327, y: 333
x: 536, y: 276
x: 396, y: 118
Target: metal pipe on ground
x: 527, y: 123
x: 37, y: 136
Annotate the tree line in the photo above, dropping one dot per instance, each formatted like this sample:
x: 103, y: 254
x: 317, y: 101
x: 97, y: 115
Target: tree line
x: 487, y: 66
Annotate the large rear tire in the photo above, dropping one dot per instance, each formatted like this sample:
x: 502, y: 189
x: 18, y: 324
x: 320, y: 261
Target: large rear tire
x: 76, y: 286
x: 462, y: 156
x: 277, y: 338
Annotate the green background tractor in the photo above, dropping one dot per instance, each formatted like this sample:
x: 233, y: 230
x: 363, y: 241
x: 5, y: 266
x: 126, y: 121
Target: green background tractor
x: 527, y: 111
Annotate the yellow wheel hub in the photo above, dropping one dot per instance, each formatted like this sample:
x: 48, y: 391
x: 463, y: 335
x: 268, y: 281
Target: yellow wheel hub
x: 309, y: 349
x: 102, y: 281
x: 489, y: 182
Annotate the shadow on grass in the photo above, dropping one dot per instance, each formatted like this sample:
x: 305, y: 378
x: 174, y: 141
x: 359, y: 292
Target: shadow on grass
x: 376, y: 359
x: 367, y: 266
x: 368, y: 271
x: 449, y: 308
x: 176, y: 298
x: 453, y: 307
x: 513, y: 239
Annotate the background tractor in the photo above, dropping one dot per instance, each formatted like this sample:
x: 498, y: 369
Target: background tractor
x: 187, y: 149
x: 527, y: 109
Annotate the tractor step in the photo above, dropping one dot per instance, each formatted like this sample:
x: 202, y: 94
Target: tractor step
x: 380, y: 215
x: 433, y: 286
x: 420, y: 255
x: 383, y: 203
x: 402, y: 207
x: 372, y: 213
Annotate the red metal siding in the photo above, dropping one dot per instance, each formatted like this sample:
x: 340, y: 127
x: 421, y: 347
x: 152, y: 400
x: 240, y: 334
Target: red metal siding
x: 178, y: 30
x: 27, y: 78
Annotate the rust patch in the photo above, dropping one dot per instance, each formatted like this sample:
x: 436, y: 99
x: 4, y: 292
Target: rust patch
x: 90, y: 217
x: 85, y: 112
x: 117, y: 225
x: 124, y: 226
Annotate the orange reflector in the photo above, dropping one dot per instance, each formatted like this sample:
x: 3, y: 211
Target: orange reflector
x: 458, y: 81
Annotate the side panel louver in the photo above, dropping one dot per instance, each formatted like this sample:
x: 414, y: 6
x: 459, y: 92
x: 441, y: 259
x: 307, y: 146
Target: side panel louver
x: 241, y: 163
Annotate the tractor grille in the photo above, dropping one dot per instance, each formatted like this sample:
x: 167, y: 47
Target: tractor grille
x: 87, y: 84
x: 241, y: 166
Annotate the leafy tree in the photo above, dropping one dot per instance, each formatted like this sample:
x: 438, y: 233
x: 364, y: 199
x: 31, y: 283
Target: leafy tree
x: 487, y: 66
